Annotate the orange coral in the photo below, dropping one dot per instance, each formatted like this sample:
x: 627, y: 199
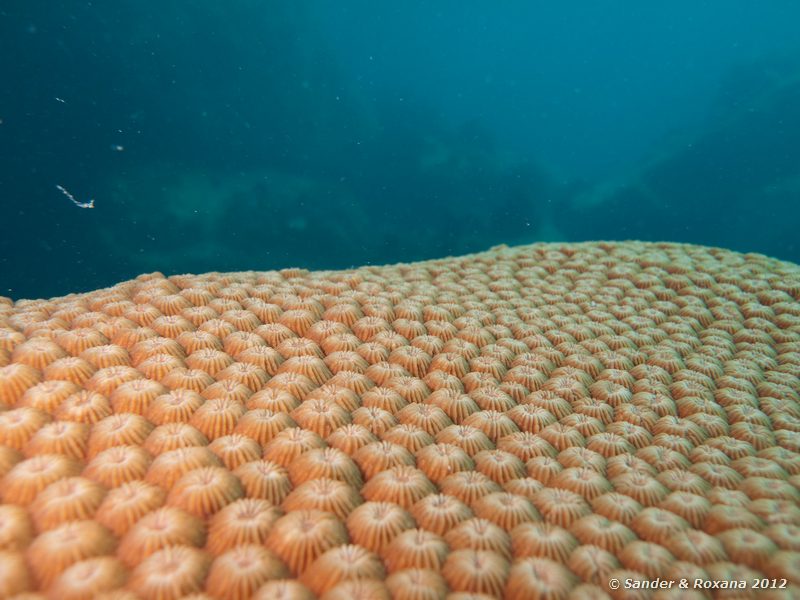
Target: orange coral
x: 245, y: 521
x: 55, y: 550
x: 439, y: 513
x: 71, y: 499
x: 479, y: 534
x: 328, y: 495
x: 343, y: 563
x: 90, y: 578
x: 476, y: 571
x: 538, y: 578
x: 416, y: 584
x: 403, y: 485
x: 528, y: 422
x: 415, y: 549
x: 203, y: 492
x: 239, y: 572
x: 23, y: 482
x: 301, y: 536
x: 159, y: 529
x: 173, y: 572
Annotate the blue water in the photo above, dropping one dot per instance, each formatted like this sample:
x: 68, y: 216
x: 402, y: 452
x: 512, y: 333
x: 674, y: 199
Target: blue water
x: 257, y: 135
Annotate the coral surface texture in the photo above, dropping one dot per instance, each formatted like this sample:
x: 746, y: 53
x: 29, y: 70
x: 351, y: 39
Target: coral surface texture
x: 554, y: 421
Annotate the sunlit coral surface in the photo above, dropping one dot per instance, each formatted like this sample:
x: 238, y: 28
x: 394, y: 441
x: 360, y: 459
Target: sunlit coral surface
x: 532, y: 422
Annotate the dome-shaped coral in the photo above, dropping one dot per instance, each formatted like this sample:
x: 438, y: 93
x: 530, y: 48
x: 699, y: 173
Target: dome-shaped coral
x: 524, y: 423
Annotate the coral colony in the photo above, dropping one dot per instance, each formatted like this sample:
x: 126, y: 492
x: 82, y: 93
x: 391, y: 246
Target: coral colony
x: 556, y: 421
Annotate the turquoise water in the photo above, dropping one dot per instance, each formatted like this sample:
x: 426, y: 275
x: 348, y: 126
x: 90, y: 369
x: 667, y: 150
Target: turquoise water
x: 255, y: 135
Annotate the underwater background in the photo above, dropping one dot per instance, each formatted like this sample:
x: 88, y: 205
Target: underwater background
x: 251, y: 135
